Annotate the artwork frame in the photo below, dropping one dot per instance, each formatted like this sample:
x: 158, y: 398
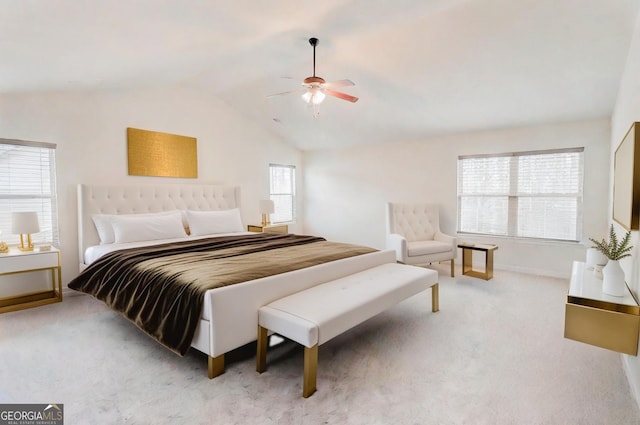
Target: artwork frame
x: 626, y: 180
x: 155, y: 154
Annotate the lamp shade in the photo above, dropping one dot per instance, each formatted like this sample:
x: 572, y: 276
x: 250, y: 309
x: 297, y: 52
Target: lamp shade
x: 24, y: 222
x: 267, y: 207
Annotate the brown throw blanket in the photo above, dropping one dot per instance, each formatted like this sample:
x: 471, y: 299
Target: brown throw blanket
x: 161, y: 288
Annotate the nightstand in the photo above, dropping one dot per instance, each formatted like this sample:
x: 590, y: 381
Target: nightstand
x: 270, y: 228
x: 16, y: 261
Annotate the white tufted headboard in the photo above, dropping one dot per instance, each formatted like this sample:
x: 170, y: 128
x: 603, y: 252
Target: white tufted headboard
x: 120, y: 199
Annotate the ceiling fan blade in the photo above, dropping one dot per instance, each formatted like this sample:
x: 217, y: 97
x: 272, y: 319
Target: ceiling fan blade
x: 339, y: 83
x: 288, y: 92
x: 341, y: 95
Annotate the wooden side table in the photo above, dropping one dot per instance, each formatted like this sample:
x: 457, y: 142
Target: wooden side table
x: 270, y: 228
x: 16, y: 261
x: 467, y: 259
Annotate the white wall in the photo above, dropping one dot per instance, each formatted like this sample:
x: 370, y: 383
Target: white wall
x: 346, y: 189
x: 627, y: 110
x: 89, y: 129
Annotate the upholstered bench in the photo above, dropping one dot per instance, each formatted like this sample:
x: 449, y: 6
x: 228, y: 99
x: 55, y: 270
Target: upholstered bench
x: 314, y: 316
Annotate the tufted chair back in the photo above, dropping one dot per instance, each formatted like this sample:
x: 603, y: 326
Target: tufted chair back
x: 416, y: 222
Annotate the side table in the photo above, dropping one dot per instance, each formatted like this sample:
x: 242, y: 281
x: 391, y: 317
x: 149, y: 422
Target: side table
x: 269, y: 228
x: 467, y: 259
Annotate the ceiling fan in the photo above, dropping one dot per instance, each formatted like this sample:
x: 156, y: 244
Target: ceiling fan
x: 315, y: 88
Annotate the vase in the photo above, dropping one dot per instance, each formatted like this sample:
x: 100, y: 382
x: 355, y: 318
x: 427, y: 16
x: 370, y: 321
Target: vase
x: 613, y: 279
x: 595, y: 257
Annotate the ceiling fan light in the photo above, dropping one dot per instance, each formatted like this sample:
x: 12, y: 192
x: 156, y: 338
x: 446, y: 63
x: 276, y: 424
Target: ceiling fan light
x: 313, y: 96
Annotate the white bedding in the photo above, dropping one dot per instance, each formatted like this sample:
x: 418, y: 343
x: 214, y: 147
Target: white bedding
x: 92, y: 253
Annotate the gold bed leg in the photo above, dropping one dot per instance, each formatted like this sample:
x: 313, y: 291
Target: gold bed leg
x: 452, y: 267
x: 261, y: 355
x: 310, y: 370
x: 216, y: 366
x: 435, y: 297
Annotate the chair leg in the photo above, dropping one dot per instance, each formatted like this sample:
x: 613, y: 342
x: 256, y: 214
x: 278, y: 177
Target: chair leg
x: 452, y: 267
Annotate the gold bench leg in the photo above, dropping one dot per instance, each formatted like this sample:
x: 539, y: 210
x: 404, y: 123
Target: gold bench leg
x: 310, y: 370
x: 435, y: 298
x: 216, y: 366
x: 261, y: 355
x: 452, y: 275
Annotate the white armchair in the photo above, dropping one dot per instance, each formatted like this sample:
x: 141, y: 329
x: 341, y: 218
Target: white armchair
x: 413, y: 231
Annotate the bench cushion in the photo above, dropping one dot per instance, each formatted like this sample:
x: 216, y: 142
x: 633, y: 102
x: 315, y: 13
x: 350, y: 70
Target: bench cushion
x: 316, y: 315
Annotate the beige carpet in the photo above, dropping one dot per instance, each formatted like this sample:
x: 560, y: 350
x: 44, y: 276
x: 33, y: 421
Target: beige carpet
x: 494, y: 354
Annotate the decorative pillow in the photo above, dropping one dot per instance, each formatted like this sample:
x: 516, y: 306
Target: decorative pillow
x: 212, y: 222
x: 143, y: 227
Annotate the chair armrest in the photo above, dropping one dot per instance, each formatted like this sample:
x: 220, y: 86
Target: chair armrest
x: 439, y: 236
x: 399, y: 244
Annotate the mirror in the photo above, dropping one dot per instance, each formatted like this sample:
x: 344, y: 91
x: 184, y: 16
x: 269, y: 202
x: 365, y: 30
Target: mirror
x: 626, y: 188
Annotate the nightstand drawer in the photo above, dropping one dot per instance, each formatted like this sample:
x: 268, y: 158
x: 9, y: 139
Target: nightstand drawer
x: 11, y: 263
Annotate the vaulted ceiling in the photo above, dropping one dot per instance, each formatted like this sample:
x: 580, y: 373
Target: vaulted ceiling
x: 421, y: 67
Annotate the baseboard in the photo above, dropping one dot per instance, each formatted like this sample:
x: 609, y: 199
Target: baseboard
x: 634, y: 382
x: 533, y: 271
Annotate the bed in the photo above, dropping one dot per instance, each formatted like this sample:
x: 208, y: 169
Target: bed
x: 228, y: 315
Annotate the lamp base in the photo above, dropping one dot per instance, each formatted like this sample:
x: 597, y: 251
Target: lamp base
x: 265, y: 220
x: 28, y: 246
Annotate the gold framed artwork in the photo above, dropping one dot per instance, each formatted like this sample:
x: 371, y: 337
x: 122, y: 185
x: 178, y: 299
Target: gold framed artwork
x: 151, y: 153
x: 626, y: 180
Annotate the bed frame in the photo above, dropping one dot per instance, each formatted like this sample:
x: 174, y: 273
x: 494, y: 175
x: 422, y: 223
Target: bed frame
x: 230, y: 314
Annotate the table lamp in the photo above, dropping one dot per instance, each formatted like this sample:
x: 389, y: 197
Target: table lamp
x: 25, y: 223
x: 266, y: 207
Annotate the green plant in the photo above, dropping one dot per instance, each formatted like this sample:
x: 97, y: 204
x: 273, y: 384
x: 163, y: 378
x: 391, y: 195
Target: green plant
x: 613, y: 249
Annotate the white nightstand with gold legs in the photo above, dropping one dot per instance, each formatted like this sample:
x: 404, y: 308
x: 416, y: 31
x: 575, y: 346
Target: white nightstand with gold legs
x: 16, y: 261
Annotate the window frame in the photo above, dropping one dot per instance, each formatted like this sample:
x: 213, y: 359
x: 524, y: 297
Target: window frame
x: 514, y: 197
x: 273, y: 195
x: 47, y: 215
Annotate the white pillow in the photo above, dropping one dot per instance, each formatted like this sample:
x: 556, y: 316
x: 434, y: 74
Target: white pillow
x: 212, y: 222
x: 104, y: 226
x: 145, y: 227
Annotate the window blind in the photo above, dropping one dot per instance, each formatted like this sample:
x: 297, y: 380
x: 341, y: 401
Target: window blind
x: 282, y: 181
x: 522, y: 194
x: 28, y: 183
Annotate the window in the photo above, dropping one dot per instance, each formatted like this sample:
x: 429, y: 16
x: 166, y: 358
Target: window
x: 27, y: 183
x: 523, y: 194
x: 282, y: 182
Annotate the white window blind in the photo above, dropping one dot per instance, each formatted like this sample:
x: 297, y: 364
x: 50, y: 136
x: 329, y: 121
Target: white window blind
x: 27, y: 183
x: 523, y: 194
x: 282, y: 182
